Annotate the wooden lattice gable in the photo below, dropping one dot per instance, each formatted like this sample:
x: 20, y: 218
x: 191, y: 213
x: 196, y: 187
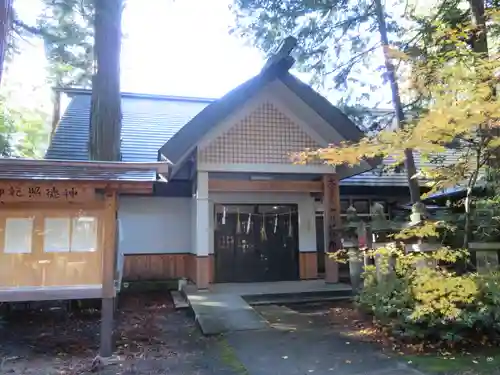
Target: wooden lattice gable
x: 265, y: 134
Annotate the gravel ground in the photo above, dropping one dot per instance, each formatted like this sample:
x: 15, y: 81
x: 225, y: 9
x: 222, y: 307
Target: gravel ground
x: 152, y: 338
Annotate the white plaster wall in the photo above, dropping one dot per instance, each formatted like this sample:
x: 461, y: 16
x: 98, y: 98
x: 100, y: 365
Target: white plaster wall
x: 151, y: 225
x: 307, y: 220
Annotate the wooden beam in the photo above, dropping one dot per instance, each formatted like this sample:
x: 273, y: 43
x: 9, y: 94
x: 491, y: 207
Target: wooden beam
x: 331, y: 220
x: 51, y: 293
x: 132, y: 187
x: 109, y: 245
x: 327, y: 218
x: 29, y: 206
x: 24, y: 193
x: 37, y: 191
x: 108, y: 274
x: 336, y: 201
x: 265, y: 186
x: 135, y: 187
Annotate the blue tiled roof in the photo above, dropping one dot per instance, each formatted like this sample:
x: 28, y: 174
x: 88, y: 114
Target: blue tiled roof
x: 392, y: 178
x: 148, y: 122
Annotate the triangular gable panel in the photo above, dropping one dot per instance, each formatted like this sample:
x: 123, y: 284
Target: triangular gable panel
x: 265, y: 136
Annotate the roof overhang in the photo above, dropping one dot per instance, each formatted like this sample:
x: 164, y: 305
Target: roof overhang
x: 116, y: 171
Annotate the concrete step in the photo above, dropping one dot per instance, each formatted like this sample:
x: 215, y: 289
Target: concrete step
x: 180, y: 302
x: 261, y: 301
x: 300, y: 297
x: 284, y: 318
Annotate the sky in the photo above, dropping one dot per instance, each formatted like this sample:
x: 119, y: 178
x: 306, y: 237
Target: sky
x: 171, y: 47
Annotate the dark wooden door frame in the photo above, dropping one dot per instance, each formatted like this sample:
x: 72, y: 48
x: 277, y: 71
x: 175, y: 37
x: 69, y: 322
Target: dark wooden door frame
x: 256, y: 262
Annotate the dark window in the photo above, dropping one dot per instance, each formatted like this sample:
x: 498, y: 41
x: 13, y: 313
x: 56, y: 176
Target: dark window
x: 361, y: 206
x: 344, y: 205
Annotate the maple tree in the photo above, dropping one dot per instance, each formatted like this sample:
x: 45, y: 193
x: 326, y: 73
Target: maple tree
x: 460, y: 118
x: 339, y: 45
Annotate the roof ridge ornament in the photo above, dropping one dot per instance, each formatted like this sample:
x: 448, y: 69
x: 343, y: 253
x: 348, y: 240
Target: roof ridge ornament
x: 282, y: 54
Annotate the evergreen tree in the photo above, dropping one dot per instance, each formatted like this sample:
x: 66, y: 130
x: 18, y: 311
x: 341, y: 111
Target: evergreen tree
x: 338, y: 40
x: 66, y: 27
x: 105, y: 121
x: 5, y: 22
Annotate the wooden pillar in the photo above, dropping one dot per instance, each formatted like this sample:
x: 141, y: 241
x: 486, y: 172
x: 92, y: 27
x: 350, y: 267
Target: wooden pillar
x: 203, y: 231
x: 108, y: 275
x: 331, y: 220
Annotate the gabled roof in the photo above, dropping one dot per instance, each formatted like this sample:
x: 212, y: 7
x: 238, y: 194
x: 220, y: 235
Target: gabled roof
x: 151, y: 120
x: 148, y: 122
x: 174, y: 126
x: 182, y: 143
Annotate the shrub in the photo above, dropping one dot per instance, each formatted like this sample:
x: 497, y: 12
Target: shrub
x: 388, y: 301
x: 433, y: 305
x: 489, y: 301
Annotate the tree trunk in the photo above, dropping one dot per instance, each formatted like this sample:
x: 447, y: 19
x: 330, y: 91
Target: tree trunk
x: 56, y: 111
x: 5, y: 26
x: 479, y: 41
x: 479, y: 44
x: 467, y: 206
x: 105, y: 119
x: 411, y: 170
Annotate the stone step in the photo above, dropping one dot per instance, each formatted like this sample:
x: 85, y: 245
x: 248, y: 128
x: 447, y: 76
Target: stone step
x: 180, y: 302
x: 305, y: 297
x: 284, y: 318
x: 262, y: 301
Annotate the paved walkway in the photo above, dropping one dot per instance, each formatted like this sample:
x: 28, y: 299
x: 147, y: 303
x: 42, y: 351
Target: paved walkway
x: 299, y: 344
x: 218, y: 313
x: 223, y: 309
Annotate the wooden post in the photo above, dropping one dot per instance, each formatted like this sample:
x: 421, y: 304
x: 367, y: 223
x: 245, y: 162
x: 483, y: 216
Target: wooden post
x: 331, y: 219
x: 107, y: 327
x: 108, y: 276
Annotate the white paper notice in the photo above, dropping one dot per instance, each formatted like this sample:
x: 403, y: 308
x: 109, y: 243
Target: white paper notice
x: 18, y: 235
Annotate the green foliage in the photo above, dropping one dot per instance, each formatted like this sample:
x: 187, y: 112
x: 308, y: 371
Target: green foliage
x: 6, y: 132
x: 23, y: 131
x: 449, y: 84
x: 67, y: 29
x: 387, y: 301
x: 433, y: 305
x: 338, y: 39
x: 24, y: 124
x: 29, y: 132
